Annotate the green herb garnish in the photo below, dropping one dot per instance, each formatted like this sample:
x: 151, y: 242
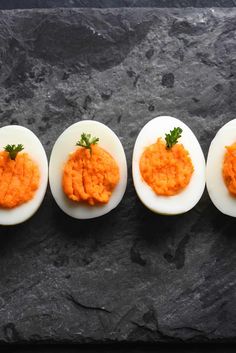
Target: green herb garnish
x: 86, y: 141
x: 172, y: 137
x: 13, y: 150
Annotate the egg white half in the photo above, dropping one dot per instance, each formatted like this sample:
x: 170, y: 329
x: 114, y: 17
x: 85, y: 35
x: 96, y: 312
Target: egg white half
x: 216, y: 187
x: 186, y: 199
x: 15, y: 134
x: 64, y: 145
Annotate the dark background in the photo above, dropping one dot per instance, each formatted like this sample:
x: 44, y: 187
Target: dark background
x: 131, y: 349
x: 27, y: 4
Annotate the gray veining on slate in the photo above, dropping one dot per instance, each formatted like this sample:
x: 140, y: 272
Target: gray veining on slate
x: 130, y: 275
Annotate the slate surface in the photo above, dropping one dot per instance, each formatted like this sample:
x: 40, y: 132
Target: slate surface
x: 131, y: 275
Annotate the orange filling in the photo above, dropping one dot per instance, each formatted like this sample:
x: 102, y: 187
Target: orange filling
x: 90, y: 177
x: 166, y: 171
x: 229, y: 168
x: 19, y: 179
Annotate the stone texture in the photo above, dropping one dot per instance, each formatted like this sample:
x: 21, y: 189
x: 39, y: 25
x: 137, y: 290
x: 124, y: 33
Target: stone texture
x: 131, y: 275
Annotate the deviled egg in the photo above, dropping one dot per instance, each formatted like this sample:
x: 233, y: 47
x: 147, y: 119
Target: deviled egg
x: 23, y: 174
x: 221, y: 169
x: 87, y: 170
x: 168, y: 166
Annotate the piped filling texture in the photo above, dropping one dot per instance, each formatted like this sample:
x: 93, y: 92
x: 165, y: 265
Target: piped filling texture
x: 90, y: 176
x: 19, y: 179
x: 229, y: 169
x: 166, y: 171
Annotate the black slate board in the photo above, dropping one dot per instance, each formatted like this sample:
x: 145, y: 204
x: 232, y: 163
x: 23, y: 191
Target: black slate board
x: 131, y: 275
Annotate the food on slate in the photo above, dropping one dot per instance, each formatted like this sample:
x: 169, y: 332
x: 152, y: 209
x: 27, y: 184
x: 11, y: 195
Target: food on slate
x: 229, y: 168
x: 19, y: 176
x: 23, y: 174
x: 168, y: 166
x: 88, y: 178
x: 91, y: 173
x: 221, y: 169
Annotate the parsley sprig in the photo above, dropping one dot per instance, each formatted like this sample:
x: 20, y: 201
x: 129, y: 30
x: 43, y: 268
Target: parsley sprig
x: 13, y: 150
x: 86, y: 141
x: 172, y: 137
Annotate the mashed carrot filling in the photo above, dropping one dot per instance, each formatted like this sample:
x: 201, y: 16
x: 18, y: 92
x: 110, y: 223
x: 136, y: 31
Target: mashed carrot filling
x: 166, y: 171
x: 229, y: 168
x: 90, y: 176
x: 19, y: 179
